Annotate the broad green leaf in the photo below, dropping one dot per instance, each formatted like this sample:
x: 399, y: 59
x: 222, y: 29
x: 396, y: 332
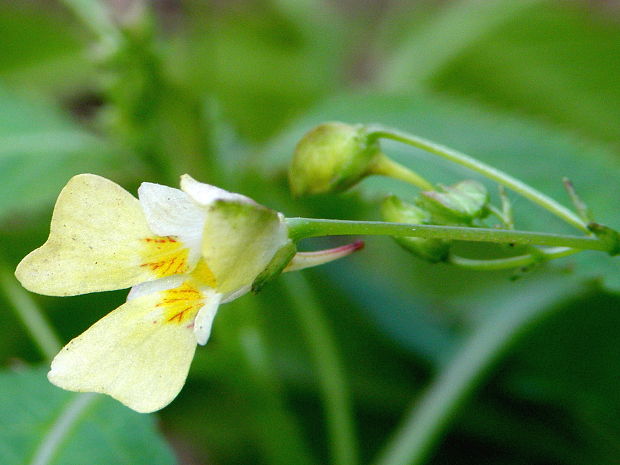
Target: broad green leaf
x: 559, y: 61
x: 432, y: 411
x: 407, y: 317
x: 44, y: 425
x: 40, y: 149
x: 452, y: 28
x: 531, y: 151
x: 564, y: 372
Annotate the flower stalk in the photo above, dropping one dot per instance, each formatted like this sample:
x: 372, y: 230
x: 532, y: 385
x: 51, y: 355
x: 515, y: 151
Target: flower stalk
x: 378, y: 132
x: 300, y: 228
x: 385, y: 166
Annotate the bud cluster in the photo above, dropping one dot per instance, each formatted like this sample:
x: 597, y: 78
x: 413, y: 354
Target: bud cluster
x: 335, y: 156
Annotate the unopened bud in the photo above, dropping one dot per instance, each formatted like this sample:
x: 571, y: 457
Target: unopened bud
x: 458, y: 204
x: 331, y: 158
x: 396, y: 210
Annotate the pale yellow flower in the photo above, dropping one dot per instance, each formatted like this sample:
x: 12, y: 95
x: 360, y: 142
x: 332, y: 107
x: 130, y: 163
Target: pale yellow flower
x: 184, y: 252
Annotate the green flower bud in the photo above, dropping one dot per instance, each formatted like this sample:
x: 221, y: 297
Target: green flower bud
x: 331, y: 158
x: 458, y: 204
x: 396, y: 210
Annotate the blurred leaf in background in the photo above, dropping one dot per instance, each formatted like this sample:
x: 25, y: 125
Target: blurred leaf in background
x: 45, y: 425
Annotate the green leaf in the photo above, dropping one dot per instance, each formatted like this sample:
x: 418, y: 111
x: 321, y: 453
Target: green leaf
x: 427, y: 47
x: 45, y: 425
x: 462, y: 202
x: 558, y: 62
x: 566, y: 364
x: 40, y: 149
x: 538, y: 154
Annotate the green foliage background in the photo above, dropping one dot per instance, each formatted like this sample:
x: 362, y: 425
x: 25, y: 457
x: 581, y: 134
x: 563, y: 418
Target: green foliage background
x: 223, y: 90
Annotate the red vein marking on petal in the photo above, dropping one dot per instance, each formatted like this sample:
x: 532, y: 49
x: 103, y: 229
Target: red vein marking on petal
x: 164, y: 256
x: 181, y: 304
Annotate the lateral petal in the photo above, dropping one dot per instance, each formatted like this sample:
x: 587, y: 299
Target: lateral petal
x: 139, y: 354
x: 99, y: 240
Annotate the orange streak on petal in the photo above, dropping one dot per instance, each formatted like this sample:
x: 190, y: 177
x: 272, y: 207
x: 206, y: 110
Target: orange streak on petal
x: 164, y: 256
x: 181, y: 304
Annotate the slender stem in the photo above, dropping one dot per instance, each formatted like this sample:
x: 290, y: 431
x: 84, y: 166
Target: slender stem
x: 582, y: 209
x: 300, y: 228
x: 511, y: 262
x: 508, y: 218
x: 336, y: 399
x: 482, y: 168
x: 387, y: 167
x: 45, y: 453
x: 30, y: 315
x: 430, y: 415
x: 499, y: 214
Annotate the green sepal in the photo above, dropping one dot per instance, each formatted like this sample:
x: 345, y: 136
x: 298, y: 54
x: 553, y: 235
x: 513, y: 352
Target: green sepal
x: 460, y: 203
x: 396, y: 210
x: 608, y: 235
x: 240, y: 239
x: 275, y: 267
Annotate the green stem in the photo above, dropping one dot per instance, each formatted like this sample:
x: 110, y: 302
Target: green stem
x: 336, y: 399
x: 496, y: 175
x: 500, y: 215
x: 511, y: 262
x: 385, y: 166
x: 429, y: 416
x: 30, y: 315
x: 300, y: 228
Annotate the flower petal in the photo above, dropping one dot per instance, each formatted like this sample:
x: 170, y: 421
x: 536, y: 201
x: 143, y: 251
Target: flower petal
x: 239, y: 241
x: 99, y: 240
x: 151, y: 287
x: 205, y: 316
x: 206, y: 194
x: 139, y: 354
x: 171, y: 212
x: 236, y: 294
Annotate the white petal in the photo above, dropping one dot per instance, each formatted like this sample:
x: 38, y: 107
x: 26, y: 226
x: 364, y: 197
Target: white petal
x: 170, y: 212
x: 205, y: 194
x: 205, y: 316
x: 150, y: 287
